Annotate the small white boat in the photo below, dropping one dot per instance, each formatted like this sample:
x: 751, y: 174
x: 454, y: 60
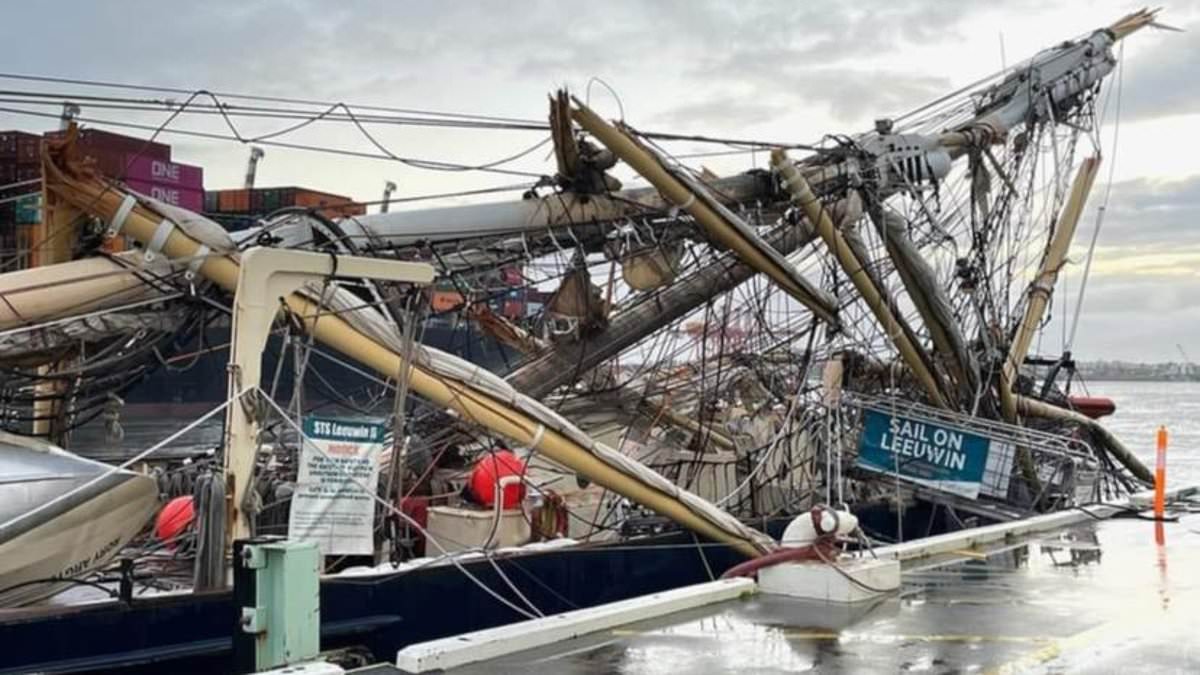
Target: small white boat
x: 57, y: 521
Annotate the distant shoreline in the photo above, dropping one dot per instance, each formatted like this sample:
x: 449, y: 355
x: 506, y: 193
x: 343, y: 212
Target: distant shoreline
x: 1126, y: 371
x: 1111, y: 378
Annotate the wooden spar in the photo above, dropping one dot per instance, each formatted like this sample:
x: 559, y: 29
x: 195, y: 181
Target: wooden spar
x: 912, y: 354
x: 1133, y: 22
x: 568, y: 361
x: 1043, y: 285
x: 656, y: 407
x: 734, y: 235
x: 1036, y: 408
x: 846, y: 212
x: 1039, y: 297
x: 71, y: 288
x: 473, y: 405
x: 1057, y: 74
x: 920, y: 283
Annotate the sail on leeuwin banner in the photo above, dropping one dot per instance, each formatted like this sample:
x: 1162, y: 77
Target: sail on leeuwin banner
x: 329, y: 508
x: 936, y: 455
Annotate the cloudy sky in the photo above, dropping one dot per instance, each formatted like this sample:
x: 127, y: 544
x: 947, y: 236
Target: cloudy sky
x: 780, y: 71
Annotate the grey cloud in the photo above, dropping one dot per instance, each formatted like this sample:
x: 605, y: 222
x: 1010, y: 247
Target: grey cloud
x: 720, y: 113
x: 799, y: 56
x: 1162, y: 81
x: 354, y: 49
x: 272, y: 47
x: 856, y: 95
x: 1127, y: 294
x: 1144, y: 212
x: 852, y: 96
x: 723, y: 48
x: 1128, y: 317
x: 1142, y: 298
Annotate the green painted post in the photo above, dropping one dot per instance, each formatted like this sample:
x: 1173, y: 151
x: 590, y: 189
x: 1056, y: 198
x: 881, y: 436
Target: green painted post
x: 286, y: 616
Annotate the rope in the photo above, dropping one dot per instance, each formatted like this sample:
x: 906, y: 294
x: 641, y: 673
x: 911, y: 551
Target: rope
x: 209, y: 567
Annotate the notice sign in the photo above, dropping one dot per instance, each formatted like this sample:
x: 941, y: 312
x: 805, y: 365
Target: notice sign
x: 941, y: 457
x: 329, y: 507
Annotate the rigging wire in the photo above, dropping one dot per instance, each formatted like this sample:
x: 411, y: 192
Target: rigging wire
x: 384, y: 154
x: 412, y: 116
x: 1103, y: 208
x: 251, y: 97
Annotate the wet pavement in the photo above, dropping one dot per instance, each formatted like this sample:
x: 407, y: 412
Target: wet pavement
x: 1102, y: 597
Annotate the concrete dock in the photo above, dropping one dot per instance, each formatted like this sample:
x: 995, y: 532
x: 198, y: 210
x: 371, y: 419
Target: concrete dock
x: 1119, y: 595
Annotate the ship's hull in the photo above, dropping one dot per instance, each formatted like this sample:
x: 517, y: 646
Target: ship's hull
x: 380, y: 614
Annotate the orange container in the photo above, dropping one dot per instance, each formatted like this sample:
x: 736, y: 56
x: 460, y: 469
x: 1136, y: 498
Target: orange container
x: 233, y: 201
x: 330, y: 205
x: 314, y: 198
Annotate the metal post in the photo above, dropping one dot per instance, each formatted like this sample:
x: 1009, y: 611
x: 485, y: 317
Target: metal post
x: 277, y: 599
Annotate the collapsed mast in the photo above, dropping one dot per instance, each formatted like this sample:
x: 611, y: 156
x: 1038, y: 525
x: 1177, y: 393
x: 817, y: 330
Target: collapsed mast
x: 909, y: 263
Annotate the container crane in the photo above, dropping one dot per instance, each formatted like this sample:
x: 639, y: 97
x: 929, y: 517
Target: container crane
x: 388, y: 188
x: 256, y: 153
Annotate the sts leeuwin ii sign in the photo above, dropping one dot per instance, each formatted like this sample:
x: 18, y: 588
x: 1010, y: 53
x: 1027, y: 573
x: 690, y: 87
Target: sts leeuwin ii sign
x: 330, y: 507
x: 940, y: 457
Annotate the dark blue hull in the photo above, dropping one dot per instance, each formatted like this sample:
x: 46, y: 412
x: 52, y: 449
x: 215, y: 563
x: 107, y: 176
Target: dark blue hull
x: 192, y: 633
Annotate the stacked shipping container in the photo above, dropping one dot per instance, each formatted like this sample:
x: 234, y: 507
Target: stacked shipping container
x: 170, y: 182
x: 20, y: 191
x: 144, y: 166
x: 238, y: 209
x: 110, y: 152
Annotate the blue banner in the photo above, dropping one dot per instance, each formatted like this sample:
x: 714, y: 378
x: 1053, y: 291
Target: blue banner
x: 343, y: 430
x: 922, y: 452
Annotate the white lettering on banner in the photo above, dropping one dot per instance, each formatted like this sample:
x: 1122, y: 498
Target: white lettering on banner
x: 942, y: 447
x: 348, y: 431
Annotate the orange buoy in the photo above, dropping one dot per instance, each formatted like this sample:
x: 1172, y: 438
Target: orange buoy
x: 175, y: 517
x: 1160, y: 472
x: 486, y: 475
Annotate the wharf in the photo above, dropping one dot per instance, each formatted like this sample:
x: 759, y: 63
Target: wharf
x: 1102, y: 596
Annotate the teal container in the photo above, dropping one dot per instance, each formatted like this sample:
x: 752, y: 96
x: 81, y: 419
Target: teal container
x: 28, y: 209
